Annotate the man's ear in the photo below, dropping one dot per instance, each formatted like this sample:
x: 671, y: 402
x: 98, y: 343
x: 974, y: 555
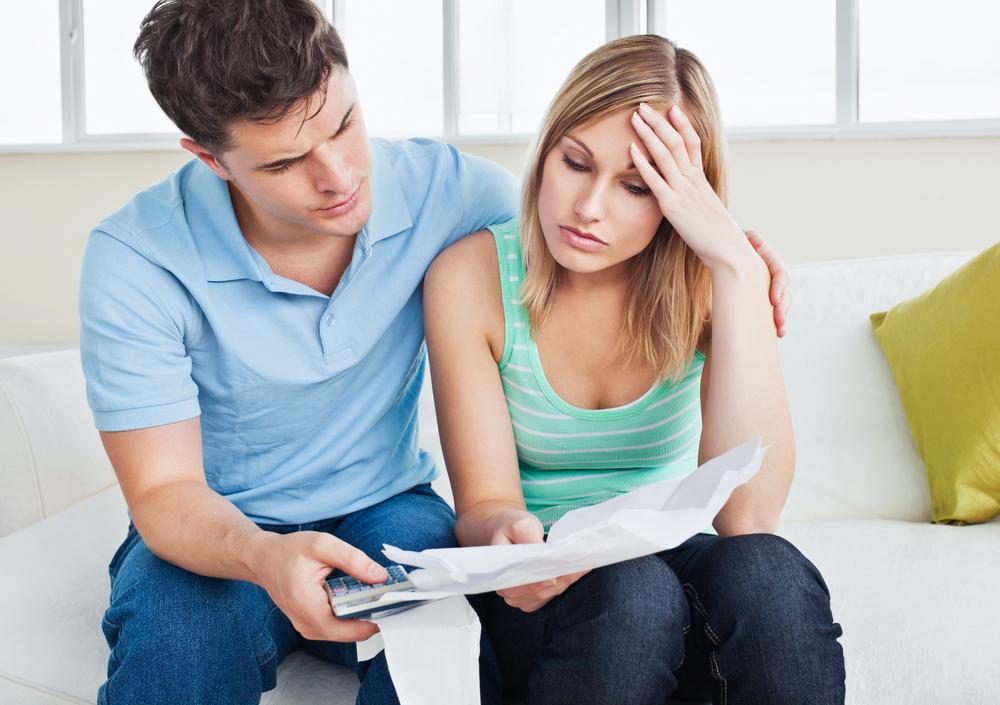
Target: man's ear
x: 206, y: 157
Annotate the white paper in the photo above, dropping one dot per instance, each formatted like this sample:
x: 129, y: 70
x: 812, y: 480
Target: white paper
x: 433, y: 652
x: 647, y: 520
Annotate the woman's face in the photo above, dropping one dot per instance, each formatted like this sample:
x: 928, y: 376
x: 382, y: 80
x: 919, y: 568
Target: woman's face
x: 595, y: 210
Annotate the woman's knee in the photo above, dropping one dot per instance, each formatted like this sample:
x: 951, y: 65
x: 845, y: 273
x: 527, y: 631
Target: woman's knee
x: 637, y: 601
x: 758, y: 594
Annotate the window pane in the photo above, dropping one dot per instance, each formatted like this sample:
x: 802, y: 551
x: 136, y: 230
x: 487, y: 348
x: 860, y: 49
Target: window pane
x: 118, y: 101
x: 773, y: 62
x: 928, y: 60
x: 30, y: 80
x: 396, y: 52
x: 515, y: 54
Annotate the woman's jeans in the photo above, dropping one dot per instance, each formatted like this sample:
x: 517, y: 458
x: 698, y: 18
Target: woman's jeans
x: 742, y: 620
x: 177, y: 637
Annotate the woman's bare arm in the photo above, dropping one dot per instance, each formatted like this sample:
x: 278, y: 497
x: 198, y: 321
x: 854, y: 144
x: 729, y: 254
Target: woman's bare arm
x: 464, y: 325
x: 743, y: 393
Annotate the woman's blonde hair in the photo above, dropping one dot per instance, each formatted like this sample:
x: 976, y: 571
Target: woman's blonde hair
x: 669, y: 298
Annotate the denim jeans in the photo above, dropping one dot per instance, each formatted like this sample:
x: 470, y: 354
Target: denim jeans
x: 178, y: 637
x: 742, y: 620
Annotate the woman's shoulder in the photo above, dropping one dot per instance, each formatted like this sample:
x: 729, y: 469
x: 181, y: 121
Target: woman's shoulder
x: 462, y: 288
x: 466, y: 261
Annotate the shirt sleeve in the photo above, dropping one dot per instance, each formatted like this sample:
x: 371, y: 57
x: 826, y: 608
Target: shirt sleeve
x: 134, y: 317
x: 491, y: 192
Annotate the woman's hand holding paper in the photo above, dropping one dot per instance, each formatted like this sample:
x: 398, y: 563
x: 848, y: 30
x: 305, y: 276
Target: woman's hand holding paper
x: 517, y: 526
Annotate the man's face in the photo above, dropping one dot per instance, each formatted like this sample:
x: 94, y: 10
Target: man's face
x: 293, y: 177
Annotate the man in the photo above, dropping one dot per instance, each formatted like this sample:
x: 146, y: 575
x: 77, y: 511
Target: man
x: 252, y: 337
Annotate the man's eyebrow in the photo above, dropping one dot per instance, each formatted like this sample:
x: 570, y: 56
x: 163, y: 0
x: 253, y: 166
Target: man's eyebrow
x: 284, y: 161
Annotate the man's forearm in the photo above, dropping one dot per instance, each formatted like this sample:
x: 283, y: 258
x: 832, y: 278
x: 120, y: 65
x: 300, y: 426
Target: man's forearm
x: 188, y: 524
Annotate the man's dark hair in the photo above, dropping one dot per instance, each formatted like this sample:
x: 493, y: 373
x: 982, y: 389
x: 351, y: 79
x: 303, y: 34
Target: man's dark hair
x: 210, y: 63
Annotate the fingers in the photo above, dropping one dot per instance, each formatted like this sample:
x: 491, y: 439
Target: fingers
x: 661, y: 152
x: 692, y: 142
x: 779, y: 293
x: 352, y: 561
x: 775, y: 265
x: 781, y: 313
x: 529, y: 598
x: 296, y: 568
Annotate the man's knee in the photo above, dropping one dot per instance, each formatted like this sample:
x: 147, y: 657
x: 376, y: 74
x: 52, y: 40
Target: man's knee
x: 180, y: 637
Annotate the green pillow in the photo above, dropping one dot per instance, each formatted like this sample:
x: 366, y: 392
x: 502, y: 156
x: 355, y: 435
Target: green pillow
x: 944, y: 350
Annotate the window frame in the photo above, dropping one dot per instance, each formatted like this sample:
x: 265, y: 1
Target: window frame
x: 622, y: 18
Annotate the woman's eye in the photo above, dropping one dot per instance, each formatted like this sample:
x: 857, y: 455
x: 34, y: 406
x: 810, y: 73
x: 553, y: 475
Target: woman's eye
x: 636, y: 190
x: 575, y: 166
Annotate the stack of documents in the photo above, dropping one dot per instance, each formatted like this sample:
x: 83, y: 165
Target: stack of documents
x: 647, y: 520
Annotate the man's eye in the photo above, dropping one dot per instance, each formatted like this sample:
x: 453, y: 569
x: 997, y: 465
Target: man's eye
x: 575, y: 166
x: 281, y: 169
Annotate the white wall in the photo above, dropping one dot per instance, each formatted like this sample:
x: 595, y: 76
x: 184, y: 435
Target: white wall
x: 813, y: 200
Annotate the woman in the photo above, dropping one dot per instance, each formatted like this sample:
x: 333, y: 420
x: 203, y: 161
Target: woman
x: 619, y: 333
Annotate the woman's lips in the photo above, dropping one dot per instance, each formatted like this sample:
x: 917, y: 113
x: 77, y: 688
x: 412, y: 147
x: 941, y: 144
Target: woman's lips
x: 581, y: 240
x: 342, y: 208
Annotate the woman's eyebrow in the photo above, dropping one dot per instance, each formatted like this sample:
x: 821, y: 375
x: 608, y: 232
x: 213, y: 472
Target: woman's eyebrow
x: 584, y: 147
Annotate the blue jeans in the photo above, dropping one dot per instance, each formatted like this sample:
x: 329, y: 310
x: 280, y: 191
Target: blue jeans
x: 178, y: 637
x: 740, y: 620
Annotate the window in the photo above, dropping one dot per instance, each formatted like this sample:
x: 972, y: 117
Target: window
x: 928, y: 60
x: 30, y: 81
x: 484, y: 70
x: 117, y: 101
x: 773, y: 62
x: 845, y: 68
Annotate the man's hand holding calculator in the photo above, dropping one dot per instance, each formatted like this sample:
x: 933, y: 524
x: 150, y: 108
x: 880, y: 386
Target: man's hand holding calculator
x: 293, y: 569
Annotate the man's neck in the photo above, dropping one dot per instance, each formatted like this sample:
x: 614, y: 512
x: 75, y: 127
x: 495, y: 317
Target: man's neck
x: 307, y: 256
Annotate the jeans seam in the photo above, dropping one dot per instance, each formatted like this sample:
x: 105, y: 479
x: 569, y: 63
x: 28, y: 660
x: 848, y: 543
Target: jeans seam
x: 716, y: 673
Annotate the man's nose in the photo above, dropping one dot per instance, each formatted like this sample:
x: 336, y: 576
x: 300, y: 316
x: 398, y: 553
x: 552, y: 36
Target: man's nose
x: 332, y: 171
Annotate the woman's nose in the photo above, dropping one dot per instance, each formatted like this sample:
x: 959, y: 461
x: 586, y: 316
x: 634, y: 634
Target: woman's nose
x: 590, y: 205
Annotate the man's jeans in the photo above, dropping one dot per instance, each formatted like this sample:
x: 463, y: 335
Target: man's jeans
x: 743, y: 620
x: 177, y: 637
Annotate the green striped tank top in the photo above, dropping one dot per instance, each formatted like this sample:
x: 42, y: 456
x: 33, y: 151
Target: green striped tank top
x: 572, y: 457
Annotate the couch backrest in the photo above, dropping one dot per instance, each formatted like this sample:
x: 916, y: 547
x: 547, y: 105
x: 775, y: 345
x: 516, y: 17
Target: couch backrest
x: 855, y: 456
x: 50, y: 453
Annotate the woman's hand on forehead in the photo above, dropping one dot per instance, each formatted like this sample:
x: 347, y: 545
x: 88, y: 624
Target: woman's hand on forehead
x: 684, y: 194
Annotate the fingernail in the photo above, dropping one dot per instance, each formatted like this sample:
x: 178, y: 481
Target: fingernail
x: 645, y: 108
x: 375, y: 570
x: 633, y: 147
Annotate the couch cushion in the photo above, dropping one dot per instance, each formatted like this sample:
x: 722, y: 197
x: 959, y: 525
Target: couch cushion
x: 918, y: 606
x: 52, y: 454
x: 53, y: 595
x: 855, y: 457
x: 944, y: 350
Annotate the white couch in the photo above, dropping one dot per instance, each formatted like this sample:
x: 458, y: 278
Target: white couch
x: 918, y: 602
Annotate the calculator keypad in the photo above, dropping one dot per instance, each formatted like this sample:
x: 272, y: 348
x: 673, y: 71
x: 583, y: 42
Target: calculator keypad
x: 346, y: 590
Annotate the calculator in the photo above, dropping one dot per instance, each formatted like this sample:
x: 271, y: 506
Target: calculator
x: 352, y: 598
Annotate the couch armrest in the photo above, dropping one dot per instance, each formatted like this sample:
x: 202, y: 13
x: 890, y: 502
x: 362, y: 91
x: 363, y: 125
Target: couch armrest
x: 51, y: 456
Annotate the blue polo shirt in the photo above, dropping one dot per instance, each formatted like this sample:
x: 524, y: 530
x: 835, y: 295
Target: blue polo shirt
x: 308, y: 403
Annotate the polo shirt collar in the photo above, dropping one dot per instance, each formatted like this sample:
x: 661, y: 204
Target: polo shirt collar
x: 390, y: 214
x: 225, y: 253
